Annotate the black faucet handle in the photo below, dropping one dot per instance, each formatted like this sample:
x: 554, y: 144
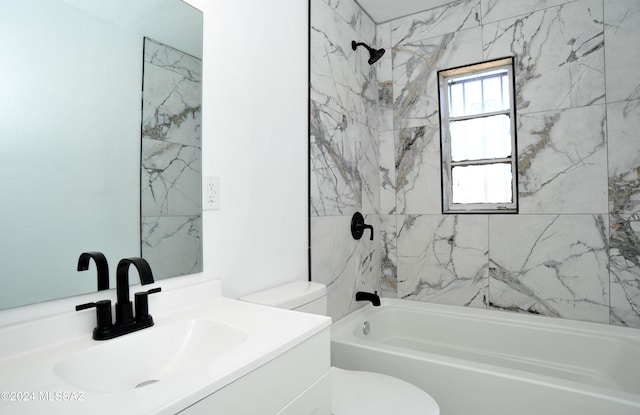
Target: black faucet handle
x: 142, y: 303
x: 103, y: 314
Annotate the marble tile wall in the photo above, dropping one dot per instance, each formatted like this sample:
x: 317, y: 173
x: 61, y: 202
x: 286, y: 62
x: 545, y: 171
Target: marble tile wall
x: 573, y: 251
x: 171, y: 208
x: 344, y: 153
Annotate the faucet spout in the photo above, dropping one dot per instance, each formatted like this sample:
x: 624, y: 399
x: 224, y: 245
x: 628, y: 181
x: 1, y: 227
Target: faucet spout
x: 365, y: 296
x: 101, y: 265
x: 124, y: 308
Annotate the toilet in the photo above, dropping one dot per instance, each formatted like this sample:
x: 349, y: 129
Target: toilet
x: 353, y: 392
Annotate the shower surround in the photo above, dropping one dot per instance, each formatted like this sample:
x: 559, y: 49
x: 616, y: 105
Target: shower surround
x: 573, y: 250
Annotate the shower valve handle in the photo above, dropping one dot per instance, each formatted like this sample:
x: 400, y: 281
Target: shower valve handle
x: 358, y: 226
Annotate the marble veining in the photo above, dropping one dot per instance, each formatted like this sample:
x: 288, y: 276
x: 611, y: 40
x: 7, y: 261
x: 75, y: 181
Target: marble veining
x: 493, y: 10
x: 418, y: 170
x: 551, y: 265
x: 353, y: 16
x: 562, y: 161
x: 622, y: 31
x: 172, y: 104
x: 334, y: 262
x: 443, y: 259
x: 559, y: 55
x: 388, y: 260
x: 171, y: 161
x: 415, y: 66
x: 369, y: 168
x: 335, y: 180
x: 387, y: 178
x: 341, y: 79
x: 452, y: 17
x: 624, y: 156
x: 170, y: 179
x: 624, y: 251
x: 172, y: 244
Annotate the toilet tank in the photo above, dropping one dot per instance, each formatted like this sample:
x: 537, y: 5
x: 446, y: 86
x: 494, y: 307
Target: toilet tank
x: 305, y: 296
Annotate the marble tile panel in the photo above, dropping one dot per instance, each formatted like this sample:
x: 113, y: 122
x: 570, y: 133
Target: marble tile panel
x: 337, y: 77
x: 370, y: 253
x: 383, y: 35
x: 369, y: 168
x: 387, y: 173
x: 385, y: 106
x: 623, y: 127
x: 385, y: 64
x: 622, y: 57
x: 493, y: 10
x: 171, y: 179
x: 385, y: 79
x: 172, y: 244
x: 562, y: 161
x: 443, y: 259
x: 550, y: 265
x: 353, y: 15
x: 369, y: 96
x: 335, y: 181
x: 452, y: 17
x: 415, y: 67
x: 418, y: 186
x: 335, y: 259
x: 559, y: 55
x: 172, y: 103
x: 388, y: 260
x: 624, y: 252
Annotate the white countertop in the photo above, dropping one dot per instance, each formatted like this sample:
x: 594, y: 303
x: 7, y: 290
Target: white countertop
x: 30, y: 350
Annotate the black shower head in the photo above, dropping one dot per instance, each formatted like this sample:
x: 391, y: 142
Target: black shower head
x: 374, y: 54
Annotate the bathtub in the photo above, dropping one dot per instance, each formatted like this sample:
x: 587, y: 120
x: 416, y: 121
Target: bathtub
x: 484, y: 362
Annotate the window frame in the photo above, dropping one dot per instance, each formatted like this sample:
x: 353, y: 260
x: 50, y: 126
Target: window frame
x: 448, y: 207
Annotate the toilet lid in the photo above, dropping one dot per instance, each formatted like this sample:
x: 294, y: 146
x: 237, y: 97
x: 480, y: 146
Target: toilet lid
x: 360, y: 393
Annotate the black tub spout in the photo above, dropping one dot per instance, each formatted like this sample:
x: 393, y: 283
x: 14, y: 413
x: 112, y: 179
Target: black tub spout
x: 365, y: 296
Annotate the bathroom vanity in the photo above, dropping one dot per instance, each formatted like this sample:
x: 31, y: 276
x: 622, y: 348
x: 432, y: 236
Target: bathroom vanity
x: 205, y: 354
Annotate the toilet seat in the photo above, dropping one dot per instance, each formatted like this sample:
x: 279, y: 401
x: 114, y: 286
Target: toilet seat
x: 367, y: 393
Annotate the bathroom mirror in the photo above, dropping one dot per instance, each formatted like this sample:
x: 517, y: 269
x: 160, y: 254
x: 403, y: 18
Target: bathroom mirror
x: 70, y: 142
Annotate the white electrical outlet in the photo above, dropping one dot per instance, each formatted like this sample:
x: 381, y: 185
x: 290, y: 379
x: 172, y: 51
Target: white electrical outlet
x: 211, y: 192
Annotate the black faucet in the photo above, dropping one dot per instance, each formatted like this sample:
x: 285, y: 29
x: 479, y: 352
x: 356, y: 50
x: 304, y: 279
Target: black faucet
x: 125, y: 321
x: 101, y: 265
x: 365, y: 296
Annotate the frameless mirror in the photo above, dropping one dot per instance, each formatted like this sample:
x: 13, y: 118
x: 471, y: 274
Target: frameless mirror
x: 71, y: 139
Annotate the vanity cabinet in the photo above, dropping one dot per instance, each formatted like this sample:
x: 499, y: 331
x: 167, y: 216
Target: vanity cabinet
x: 295, y: 383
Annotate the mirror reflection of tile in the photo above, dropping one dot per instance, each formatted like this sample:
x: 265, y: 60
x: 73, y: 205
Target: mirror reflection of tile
x: 171, y: 202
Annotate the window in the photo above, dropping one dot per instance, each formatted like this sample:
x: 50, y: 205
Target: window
x: 477, y: 129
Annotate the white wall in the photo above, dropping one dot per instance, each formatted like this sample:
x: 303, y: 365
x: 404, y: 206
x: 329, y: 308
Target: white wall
x: 255, y: 139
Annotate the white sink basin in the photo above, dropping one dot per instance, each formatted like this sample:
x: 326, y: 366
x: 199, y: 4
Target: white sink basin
x: 149, y: 356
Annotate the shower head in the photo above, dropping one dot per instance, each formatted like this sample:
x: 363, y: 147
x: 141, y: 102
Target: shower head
x: 374, y: 54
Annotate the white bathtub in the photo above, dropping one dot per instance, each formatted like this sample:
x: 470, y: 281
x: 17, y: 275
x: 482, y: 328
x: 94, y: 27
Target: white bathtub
x: 477, y: 362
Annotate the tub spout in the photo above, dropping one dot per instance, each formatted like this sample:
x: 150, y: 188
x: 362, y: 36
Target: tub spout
x: 365, y: 296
